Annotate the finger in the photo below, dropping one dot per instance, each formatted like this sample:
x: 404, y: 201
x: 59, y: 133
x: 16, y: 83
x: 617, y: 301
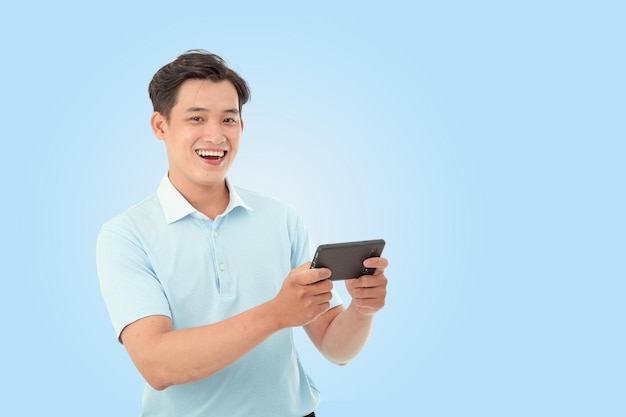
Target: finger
x: 376, y: 280
x: 303, y: 267
x: 369, y: 293
x: 324, y: 286
x: 373, y: 297
x: 323, y: 298
x: 311, y: 276
x: 322, y: 308
x: 368, y: 281
x: 378, y: 263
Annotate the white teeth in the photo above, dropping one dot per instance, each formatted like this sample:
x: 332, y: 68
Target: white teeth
x: 202, y: 152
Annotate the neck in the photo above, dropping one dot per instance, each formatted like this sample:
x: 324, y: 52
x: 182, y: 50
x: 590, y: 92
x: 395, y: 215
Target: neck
x: 210, y: 200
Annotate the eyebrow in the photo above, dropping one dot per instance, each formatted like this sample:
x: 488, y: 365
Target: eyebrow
x: 202, y: 109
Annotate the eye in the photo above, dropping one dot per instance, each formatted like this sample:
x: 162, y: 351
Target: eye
x: 230, y: 120
x: 197, y: 119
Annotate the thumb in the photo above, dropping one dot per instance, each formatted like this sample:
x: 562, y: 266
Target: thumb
x: 303, y: 267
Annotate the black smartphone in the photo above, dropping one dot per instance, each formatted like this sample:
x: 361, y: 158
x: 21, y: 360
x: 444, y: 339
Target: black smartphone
x: 345, y: 260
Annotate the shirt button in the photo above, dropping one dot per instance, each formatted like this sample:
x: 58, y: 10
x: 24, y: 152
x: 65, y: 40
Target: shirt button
x: 222, y: 267
x: 215, y: 234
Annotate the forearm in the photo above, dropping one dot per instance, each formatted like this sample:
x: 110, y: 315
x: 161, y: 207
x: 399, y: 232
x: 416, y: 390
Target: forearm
x: 346, y: 335
x: 168, y: 357
x: 179, y: 356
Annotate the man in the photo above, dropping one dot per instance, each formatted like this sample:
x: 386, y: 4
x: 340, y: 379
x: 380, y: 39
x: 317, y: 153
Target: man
x: 204, y: 281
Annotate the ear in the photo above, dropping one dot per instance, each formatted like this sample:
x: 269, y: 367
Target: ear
x: 159, y: 125
x: 242, y: 125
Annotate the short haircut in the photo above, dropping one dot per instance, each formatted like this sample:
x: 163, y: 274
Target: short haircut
x: 194, y: 64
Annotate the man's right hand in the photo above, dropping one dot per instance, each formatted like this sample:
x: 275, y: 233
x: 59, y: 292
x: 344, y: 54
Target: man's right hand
x: 305, y: 295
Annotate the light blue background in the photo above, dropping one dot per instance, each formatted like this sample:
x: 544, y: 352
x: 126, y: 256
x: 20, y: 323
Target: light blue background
x: 483, y: 140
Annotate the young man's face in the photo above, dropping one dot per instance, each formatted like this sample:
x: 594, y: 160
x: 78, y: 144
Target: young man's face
x: 202, y: 134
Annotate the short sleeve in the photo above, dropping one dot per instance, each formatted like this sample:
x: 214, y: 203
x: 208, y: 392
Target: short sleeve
x: 302, y: 246
x: 130, y: 288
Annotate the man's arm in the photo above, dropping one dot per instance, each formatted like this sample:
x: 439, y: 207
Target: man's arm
x: 341, y: 333
x: 166, y: 357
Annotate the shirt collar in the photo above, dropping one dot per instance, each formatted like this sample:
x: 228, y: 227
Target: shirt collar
x: 175, y: 206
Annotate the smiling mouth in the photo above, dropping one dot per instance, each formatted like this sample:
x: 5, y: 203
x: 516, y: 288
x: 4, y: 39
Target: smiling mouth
x: 213, y: 155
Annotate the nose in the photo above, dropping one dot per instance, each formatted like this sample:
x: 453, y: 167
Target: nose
x: 213, y: 133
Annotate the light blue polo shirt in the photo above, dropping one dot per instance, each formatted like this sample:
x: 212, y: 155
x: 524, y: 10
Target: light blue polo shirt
x: 163, y: 257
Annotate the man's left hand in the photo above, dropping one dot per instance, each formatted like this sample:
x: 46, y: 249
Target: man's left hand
x: 369, y: 291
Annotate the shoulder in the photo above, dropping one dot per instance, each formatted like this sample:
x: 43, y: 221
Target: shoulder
x: 145, y: 214
x: 259, y: 201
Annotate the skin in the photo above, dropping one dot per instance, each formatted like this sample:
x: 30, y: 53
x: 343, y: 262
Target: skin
x: 206, y: 117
